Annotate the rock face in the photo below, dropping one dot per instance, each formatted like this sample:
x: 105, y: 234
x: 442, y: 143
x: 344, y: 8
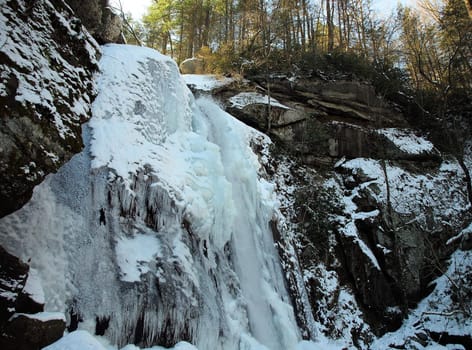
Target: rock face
x: 383, y: 215
x: 47, y: 62
x: 326, y: 120
x: 23, y: 324
x: 13, y: 274
x: 99, y: 19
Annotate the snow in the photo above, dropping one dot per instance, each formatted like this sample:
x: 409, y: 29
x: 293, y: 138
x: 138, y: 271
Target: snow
x: 134, y: 254
x: 323, y: 343
x: 11, y: 296
x: 244, y: 99
x: 437, y: 312
x: 179, y: 346
x: 407, y: 141
x: 33, y: 287
x: 78, y: 340
x: 204, y: 82
x: 42, y: 316
x: 83, y: 340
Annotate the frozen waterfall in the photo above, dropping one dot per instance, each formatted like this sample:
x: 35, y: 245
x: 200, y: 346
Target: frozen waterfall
x: 186, y: 251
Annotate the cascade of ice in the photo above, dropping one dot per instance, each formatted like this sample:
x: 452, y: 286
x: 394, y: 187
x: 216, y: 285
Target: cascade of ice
x: 256, y: 261
x: 186, y: 252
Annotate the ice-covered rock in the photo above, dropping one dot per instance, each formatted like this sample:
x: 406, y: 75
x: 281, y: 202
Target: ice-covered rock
x: 168, y: 207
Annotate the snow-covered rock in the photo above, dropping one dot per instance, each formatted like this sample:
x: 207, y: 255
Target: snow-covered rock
x: 46, y: 89
x: 33, y: 331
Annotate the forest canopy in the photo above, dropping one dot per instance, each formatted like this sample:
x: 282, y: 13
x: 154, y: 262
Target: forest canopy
x: 419, y: 57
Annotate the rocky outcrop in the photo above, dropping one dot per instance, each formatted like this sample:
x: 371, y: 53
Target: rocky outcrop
x: 101, y: 22
x: 32, y: 332
x: 404, y: 201
x: 322, y: 121
x: 23, y: 324
x: 47, y: 62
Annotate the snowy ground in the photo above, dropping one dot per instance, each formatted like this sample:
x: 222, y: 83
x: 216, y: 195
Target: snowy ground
x: 243, y: 99
x: 206, y: 82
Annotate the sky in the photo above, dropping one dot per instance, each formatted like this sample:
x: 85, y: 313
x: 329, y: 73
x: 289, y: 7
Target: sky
x: 138, y: 7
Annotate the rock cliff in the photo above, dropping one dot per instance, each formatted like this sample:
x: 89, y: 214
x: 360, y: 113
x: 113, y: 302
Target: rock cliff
x: 47, y: 64
x: 47, y: 61
x: 375, y: 206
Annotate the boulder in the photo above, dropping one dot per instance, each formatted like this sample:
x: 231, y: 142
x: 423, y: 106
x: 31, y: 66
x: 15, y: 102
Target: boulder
x: 31, y: 332
x: 23, y: 324
x: 192, y: 65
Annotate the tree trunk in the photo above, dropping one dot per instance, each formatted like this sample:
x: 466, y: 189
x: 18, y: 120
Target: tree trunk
x: 468, y: 4
x: 329, y: 20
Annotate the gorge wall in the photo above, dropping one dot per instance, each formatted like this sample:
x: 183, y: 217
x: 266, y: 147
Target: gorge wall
x: 376, y: 206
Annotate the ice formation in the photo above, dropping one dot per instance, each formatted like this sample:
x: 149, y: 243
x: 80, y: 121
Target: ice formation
x: 159, y: 230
